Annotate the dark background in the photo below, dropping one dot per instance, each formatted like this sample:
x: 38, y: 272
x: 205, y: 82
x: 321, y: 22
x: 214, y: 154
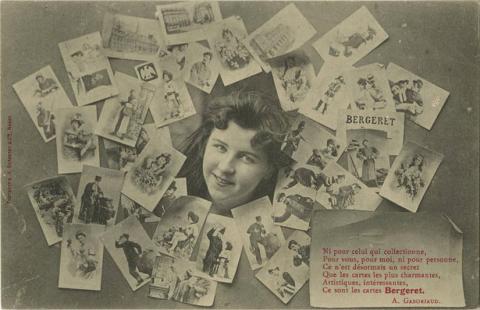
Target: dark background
x: 438, y: 41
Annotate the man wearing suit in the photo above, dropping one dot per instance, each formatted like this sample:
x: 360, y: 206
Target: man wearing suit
x: 132, y: 251
x: 257, y: 233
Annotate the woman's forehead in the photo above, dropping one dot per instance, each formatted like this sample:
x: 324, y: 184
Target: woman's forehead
x: 236, y: 137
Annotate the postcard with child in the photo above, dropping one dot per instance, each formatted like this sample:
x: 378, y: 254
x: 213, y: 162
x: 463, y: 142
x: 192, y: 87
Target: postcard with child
x: 41, y: 94
x: 88, y: 69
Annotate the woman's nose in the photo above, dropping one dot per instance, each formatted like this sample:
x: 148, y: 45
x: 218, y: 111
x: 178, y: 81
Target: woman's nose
x: 227, y: 164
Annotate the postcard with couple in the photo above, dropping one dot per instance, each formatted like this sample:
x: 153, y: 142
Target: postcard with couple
x: 41, y: 94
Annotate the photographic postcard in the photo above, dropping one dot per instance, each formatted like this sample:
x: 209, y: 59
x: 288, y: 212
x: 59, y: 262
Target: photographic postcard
x: 184, y: 22
x: 76, y: 142
x: 41, y: 94
x: 286, y: 31
x: 172, y: 101
x: 132, y: 250
x: 152, y: 173
x: 122, y: 157
x: 328, y: 95
x: 410, y: 175
x: 261, y: 237
x: 421, y: 100
x: 294, y: 200
x: 201, y: 70
x: 98, y: 196
x: 226, y: 39
x: 389, y: 124
x: 128, y: 207
x: 368, y: 156
x: 88, y: 69
x: 130, y: 37
x: 53, y: 201
x: 340, y: 190
x: 220, y: 249
x: 352, y: 39
x: 369, y: 89
x: 293, y: 75
x: 289, y: 269
x: 376, y: 259
x: 308, y: 143
x: 122, y: 117
x: 178, y: 231
x: 175, y: 279
x: 81, y: 258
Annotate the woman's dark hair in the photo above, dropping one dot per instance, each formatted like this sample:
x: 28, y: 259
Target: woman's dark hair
x: 167, y: 158
x: 228, y: 246
x: 80, y: 233
x: 249, y: 110
x: 193, y: 217
x: 168, y: 74
x: 412, y: 163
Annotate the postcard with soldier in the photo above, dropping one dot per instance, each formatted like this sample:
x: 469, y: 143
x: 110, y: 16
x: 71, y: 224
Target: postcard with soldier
x: 226, y: 40
x: 81, y: 257
x: 289, y: 269
x: 286, y: 31
x: 88, y: 69
x: 175, y: 279
x: 410, y: 176
x: 53, y: 201
x: 98, y: 196
x: 419, y: 99
x: 152, y: 173
x: 184, y: 22
x: 352, y: 39
x: 130, y: 37
x: 178, y: 231
x: 77, y: 145
x: 41, y: 94
x: 261, y: 237
x: 132, y: 251
x: 220, y: 249
x: 122, y: 117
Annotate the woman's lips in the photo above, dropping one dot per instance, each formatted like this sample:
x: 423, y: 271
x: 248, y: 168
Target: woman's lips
x: 221, y: 181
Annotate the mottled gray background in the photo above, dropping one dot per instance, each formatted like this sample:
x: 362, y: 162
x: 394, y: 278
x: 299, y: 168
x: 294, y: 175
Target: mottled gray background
x: 439, y: 41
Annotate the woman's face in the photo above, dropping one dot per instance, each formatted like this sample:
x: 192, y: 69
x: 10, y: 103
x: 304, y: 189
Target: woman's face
x: 232, y: 168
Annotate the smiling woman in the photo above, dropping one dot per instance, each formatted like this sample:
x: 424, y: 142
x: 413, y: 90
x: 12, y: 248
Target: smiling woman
x: 234, y: 156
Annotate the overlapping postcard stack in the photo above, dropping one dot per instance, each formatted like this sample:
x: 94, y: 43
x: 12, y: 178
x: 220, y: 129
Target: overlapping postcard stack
x: 349, y: 124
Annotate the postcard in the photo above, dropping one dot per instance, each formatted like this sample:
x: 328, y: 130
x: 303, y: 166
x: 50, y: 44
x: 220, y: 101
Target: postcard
x: 77, y: 145
x: 352, y: 39
x: 41, y: 94
x: 174, y: 279
x: 369, y: 89
x: 328, y: 95
x: 235, y: 61
x: 53, y: 201
x: 293, y: 75
x: 128, y: 207
x: 289, y: 269
x: 294, y: 199
x: 88, y: 69
x: 421, y: 100
x: 178, y: 231
x: 308, y: 143
x: 385, y: 260
x: 122, y: 157
x: 130, y: 37
x: 340, y: 190
x: 132, y: 250
x: 261, y: 237
x: 220, y: 249
x: 81, y: 258
x: 122, y: 117
x: 98, y: 196
x: 184, y: 22
x: 410, y: 175
x: 288, y: 30
x: 172, y: 101
x: 380, y: 123
x: 152, y: 173
x: 201, y: 70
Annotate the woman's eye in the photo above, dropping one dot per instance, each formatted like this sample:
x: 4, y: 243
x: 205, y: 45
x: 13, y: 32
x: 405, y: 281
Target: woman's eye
x: 220, y: 148
x: 248, y: 159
